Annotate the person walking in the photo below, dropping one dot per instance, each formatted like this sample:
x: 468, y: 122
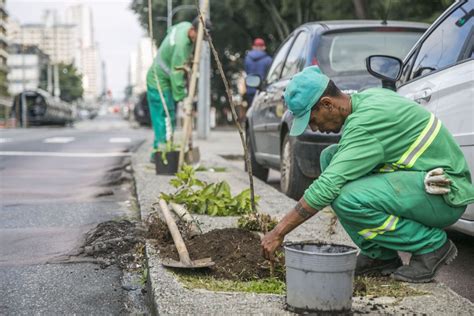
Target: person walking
x: 395, y: 180
x: 257, y: 62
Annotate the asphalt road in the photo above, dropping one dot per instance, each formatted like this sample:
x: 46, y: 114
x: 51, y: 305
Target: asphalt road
x: 55, y: 185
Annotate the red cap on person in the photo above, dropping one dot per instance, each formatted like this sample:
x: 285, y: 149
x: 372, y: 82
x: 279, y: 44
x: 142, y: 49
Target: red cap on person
x: 259, y: 42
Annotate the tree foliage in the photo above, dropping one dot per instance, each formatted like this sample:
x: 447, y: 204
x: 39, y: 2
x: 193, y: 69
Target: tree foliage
x: 70, y: 82
x: 237, y: 22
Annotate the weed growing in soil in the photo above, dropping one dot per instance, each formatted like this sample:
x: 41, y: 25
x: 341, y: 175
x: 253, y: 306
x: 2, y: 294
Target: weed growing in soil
x: 383, y: 286
x: 200, y: 197
x: 260, y: 222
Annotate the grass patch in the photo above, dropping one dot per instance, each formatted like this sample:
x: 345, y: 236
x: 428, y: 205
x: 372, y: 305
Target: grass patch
x: 383, y: 286
x: 211, y: 169
x: 267, y: 285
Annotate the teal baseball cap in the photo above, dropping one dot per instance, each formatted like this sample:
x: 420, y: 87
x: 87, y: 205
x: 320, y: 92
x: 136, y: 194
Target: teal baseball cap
x: 301, y: 94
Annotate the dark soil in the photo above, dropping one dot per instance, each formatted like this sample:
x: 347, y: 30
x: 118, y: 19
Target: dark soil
x: 236, y: 252
x: 114, y: 242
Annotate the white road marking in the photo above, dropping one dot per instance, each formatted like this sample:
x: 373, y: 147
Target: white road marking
x: 5, y: 140
x: 59, y: 140
x: 62, y: 154
x: 120, y: 140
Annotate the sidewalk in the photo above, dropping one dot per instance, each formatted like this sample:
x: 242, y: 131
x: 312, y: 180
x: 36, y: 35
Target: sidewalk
x: 170, y: 297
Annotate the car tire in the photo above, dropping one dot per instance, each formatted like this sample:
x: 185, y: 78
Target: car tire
x: 292, y: 182
x: 258, y: 170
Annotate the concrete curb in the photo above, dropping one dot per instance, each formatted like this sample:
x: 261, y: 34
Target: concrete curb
x: 170, y: 297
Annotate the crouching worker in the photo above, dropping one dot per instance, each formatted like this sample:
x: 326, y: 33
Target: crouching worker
x: 395, y: 180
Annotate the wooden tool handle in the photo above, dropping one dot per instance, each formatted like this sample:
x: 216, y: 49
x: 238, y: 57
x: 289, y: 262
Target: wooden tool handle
x: 178, y: 240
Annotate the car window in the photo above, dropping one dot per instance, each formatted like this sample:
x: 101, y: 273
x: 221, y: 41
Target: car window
x: 278, y: 61
x: 442, y: 48
x: 297, y: 56
x: 344, y: 53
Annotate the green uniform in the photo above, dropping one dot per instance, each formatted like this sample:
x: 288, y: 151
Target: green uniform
x: 374, y: 177
x: 174, y: 51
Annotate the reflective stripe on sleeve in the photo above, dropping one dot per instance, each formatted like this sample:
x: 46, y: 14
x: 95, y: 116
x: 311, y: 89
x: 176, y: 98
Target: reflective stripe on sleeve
x: 389, y: 225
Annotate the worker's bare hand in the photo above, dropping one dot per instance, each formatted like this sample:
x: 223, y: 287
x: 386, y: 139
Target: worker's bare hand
x: 436, y: 182
x: 270, y: 243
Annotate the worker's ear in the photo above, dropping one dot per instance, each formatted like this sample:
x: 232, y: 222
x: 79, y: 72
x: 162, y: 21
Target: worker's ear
x: 327, y: 103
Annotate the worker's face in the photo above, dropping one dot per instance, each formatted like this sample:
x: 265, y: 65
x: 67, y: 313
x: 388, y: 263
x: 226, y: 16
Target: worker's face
x: 192, y: 34
x: 327, y: 117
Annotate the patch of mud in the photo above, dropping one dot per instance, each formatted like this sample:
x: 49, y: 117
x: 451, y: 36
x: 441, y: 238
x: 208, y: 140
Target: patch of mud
x: 115, y: 242
x: 236, y: 252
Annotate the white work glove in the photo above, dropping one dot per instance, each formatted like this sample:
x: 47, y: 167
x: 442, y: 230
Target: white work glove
x: 436, y: 182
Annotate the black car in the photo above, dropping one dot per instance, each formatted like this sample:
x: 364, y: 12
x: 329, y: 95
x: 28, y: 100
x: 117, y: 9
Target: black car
x: 340, y: 49
x: 141, y: 111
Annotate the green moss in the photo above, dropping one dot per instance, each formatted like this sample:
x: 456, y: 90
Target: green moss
x: 383, y: 286
x: 267, y: 285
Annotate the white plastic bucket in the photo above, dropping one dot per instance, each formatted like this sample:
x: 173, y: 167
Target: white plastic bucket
x: 319, y: 277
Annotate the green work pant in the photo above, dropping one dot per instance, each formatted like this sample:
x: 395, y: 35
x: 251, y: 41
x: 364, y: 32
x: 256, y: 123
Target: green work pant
x: 158, y: 114
x: 389, y: 212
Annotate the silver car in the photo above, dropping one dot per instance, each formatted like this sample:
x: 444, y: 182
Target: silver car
x: 438, y: 73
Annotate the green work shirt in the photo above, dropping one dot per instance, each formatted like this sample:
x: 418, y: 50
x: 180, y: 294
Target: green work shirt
x: 174, y: 51
x: 384, y: 133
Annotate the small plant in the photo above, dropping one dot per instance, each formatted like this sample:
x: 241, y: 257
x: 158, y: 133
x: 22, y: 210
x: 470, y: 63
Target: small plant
x: 164, y: 149
x: 200, y: 197
x: 260, y: 222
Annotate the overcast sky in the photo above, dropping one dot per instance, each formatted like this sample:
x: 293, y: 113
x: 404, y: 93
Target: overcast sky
x: 116, y: 28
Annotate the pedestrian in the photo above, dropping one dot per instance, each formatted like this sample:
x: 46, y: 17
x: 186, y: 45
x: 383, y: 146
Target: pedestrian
x: 167, y: 68
x: 257, y: 62
x: 395, y: 180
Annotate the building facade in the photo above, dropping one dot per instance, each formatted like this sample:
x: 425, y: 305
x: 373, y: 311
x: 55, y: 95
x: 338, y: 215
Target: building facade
x: 27, y: 67
x: 3, y: 52
x: 140, y: 61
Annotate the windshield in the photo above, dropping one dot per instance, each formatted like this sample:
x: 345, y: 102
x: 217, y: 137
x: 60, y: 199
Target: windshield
x: 345, y: 53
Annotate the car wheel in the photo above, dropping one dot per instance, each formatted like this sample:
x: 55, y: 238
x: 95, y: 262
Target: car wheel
x: 258, y: 170
x: 292, y: 182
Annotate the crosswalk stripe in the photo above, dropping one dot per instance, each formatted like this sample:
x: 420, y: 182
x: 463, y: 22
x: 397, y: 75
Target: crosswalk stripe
x: 64, y: 154
x: 59, y: 140
x: 120, y: 140
x: 5, y: 140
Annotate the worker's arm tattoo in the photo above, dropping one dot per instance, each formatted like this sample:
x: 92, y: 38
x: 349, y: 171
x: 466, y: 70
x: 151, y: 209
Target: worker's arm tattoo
x: 302, y: 211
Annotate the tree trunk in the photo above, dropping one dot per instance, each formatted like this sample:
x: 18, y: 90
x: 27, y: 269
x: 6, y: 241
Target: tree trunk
x: 360, y: 9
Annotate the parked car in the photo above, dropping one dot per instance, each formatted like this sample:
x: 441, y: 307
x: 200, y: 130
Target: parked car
x: 438, y: 73
x: 141, y: 111
x: 340, y: 49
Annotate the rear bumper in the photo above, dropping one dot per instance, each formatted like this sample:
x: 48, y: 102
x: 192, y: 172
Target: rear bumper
x: 308, y: 148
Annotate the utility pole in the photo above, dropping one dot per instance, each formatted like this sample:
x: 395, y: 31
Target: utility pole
x: 24, y: 114
x: 204, y: 93
x: 56, y: 57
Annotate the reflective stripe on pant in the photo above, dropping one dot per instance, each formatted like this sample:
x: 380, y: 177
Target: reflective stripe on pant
x: 158, y: 114
x: 389, y: 212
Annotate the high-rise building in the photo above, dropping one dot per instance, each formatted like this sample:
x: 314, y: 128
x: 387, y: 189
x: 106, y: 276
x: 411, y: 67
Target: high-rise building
x: 140, y: 61
x: 87, y: 52
x: 3, y: 50
x: 27, y: 65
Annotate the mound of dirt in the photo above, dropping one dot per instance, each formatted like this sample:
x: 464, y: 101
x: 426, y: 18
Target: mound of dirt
x: 236, y: 252
x: 114, y: 242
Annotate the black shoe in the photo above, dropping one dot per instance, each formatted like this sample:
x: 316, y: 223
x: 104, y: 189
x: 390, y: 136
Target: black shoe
x: 423, y: 268
x: 368, y: 266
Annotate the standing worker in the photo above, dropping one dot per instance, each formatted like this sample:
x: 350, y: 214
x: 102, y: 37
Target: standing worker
x: 172, y: 55
x: 395, y: 180
x: 257, y: 62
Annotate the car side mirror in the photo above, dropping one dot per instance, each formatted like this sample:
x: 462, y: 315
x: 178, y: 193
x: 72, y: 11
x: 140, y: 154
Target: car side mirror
x: 253, y: 81
x: 386, y: 68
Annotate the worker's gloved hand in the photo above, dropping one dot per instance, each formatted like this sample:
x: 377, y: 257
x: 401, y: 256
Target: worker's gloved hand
x: 436, y: 182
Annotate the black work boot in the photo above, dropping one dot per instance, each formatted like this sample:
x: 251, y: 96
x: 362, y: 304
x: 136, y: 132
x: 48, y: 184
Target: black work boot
x: 368, y: 266
x: 423, y: 268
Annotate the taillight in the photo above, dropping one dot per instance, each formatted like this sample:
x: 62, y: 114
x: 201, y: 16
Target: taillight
x: 314, y: 62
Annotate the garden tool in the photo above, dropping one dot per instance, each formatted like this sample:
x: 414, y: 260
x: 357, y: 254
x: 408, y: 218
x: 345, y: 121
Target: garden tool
x: 184, y: 259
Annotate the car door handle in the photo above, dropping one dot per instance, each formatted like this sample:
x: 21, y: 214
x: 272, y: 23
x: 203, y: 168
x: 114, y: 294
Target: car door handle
x: 424, y: 95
